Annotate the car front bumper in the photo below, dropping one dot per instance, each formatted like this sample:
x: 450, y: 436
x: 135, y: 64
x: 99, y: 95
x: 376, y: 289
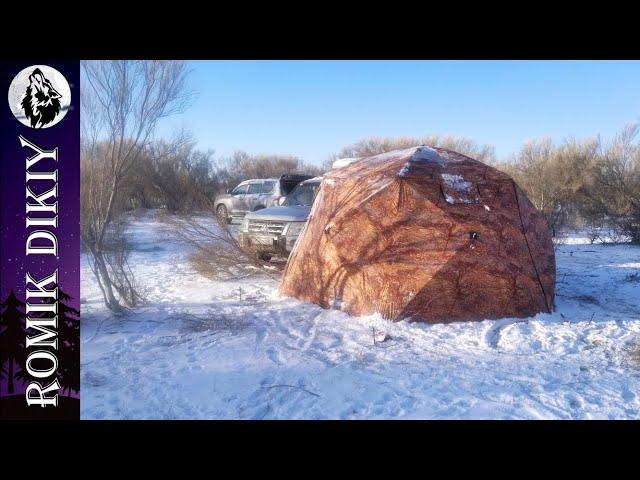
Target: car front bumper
x: 277, y: 244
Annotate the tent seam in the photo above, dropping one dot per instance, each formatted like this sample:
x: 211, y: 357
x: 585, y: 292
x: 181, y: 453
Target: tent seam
x: 524, y: 234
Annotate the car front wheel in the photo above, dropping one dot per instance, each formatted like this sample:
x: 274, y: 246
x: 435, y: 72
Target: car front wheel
x: 221, y: 211
x: 265, y: 257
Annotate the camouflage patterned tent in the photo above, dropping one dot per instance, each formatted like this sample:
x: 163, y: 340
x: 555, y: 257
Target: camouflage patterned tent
x: 425, y: 234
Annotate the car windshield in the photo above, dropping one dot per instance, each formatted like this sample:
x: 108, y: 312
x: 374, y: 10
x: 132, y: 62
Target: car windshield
x: 303, y: 194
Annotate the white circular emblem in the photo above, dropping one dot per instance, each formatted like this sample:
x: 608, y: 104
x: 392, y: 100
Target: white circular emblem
x: 39, y: 96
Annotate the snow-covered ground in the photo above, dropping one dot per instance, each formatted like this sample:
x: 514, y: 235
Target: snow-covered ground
x: 204, y: 349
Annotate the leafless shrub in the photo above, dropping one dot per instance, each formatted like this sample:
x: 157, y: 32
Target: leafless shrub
x: 552, y: 176
x: 167, y: 174
x: 616, y: 235
x: 375, y: 145
x: 612, y: 187
x: 242, y: 166
x: 584, y: 182
x: 217, y: 254
x: 121, y: 106
x: 593, y: 233
x: 117, y: 251
x: 115, y: 258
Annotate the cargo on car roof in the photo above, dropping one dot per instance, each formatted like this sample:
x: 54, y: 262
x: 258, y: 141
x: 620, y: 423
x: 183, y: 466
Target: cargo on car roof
x: 288, y: 181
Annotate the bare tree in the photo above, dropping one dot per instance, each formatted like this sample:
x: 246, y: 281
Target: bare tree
x: 613, y: 188
x: 375, y: 145
x: 168, y: 173
x: 242, y: 166
x: 122, y: 103
x: 216, y: 252
x: 587, y: 183
x: 553, y: 175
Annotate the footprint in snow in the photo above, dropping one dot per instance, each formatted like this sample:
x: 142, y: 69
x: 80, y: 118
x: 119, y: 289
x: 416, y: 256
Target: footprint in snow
x: 628, y: 395
x: 575, y: 402
x: 274, y: 355
x: 262, y: 412
x: 96, y: 379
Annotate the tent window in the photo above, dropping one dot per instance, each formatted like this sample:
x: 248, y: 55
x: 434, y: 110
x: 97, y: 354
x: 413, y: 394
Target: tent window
x: 457, y: 189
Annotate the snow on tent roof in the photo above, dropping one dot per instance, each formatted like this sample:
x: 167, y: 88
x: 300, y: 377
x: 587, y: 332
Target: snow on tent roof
x: 343, y: 162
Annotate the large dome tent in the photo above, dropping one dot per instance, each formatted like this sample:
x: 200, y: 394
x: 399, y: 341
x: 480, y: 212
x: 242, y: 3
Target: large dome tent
x: 425, y: 234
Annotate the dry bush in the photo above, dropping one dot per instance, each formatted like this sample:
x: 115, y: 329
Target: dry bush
x: 173, y: 175
x: 243, y: 166
x: 586, y: 183
x: 613, y: 189
x: 594, y: 232
x: 616, y: 235
x: 115, y: 257
x: 212, y: 263
x: 117, y: 250
x: 216, y: 252
x: 553, y: 176
x: 375, y: 145
x: 167, y: 174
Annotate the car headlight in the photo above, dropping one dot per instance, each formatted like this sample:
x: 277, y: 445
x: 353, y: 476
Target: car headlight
x: 244, y: 226
x: 295, y: 228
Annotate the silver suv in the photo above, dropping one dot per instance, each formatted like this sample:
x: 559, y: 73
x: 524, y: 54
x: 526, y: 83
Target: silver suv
x: 252, y: 195
x: 274, y: 231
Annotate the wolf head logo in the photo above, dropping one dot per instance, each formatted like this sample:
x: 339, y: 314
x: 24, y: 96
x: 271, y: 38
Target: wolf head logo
x: 41, y: 102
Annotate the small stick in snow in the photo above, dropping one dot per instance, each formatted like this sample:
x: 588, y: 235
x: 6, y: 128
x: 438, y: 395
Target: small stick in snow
x: 373, y: 330
x: 294, y: 386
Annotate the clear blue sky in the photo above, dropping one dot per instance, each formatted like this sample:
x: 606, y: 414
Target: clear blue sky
x: 313, y: 108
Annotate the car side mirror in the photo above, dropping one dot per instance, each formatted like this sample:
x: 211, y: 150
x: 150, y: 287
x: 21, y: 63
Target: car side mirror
x: 281, y: 200
x: 229, y: 190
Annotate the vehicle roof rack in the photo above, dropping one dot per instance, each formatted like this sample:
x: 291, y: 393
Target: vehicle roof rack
x: 295, y: 176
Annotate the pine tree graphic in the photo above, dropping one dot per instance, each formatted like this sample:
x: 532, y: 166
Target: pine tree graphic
x: 68, y: 352
x: 68, y: 344
x: 12, y: 337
